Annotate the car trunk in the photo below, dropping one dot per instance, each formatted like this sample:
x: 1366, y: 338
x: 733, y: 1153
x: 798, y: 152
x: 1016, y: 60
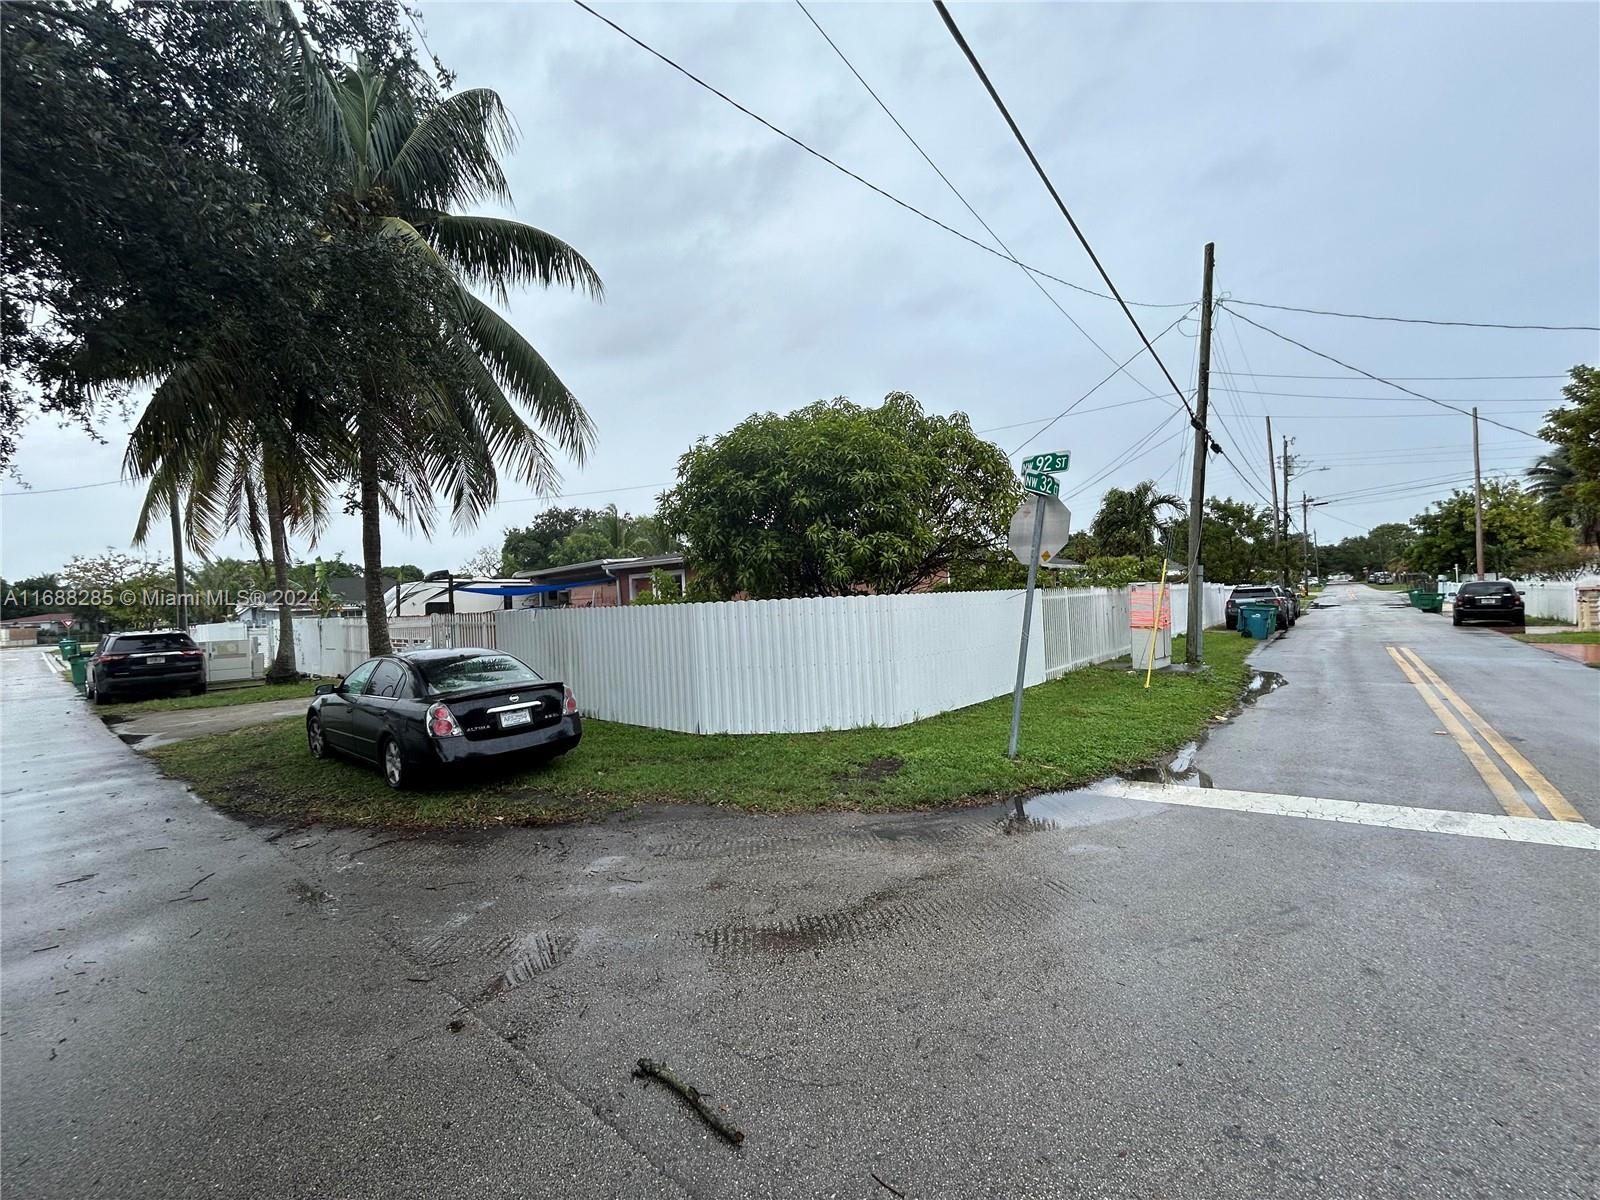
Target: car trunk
x: 151, y: 658
x: 498, y: 712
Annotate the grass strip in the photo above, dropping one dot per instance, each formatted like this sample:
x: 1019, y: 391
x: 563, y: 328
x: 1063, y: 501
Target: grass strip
x: 216, y: 697
x: 1086, y: 725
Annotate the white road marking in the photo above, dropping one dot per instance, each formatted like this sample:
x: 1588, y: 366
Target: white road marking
x: 1389, y: 816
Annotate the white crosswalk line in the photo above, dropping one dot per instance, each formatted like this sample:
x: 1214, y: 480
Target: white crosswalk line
x: 1389, y: 816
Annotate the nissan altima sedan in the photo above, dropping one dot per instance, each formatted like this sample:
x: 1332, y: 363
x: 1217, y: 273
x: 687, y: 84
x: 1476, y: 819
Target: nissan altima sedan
x: 430, y: 711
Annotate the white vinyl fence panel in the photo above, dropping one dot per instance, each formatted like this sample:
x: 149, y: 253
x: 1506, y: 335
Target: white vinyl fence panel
x: 780, y: 666
x: 452, y: 630
x: 1557, y: 601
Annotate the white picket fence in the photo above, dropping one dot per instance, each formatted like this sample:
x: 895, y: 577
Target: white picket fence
x: 780, y: 666
x: 761, y: 666
x: 1558, y: 601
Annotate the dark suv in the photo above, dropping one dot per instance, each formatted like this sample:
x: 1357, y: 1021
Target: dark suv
x: 1489, y: 600
x: 158, y: 660
x: 1260, y: 593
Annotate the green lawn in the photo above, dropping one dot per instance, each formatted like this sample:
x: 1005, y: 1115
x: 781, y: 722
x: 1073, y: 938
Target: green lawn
x: 1078, y: 728
x: 1546, y: 621
x: 1587, y: 637
x: 216, y: 697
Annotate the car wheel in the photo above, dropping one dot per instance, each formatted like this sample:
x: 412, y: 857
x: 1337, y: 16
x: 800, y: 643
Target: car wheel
x: 1456, y: 621
x: 1283, y: 623
x: 395, y: 772
x: 100, y: 695
x: 198, y: 689
x: 315, y: 742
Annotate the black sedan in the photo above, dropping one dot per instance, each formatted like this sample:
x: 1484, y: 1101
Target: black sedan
x: 1488, y: 600
x: 413, y: 714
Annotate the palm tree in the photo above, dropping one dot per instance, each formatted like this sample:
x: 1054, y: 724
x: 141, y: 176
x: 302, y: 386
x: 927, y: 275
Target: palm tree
x: 447, y: 420
x: 1552, y: 479
x: 1126, y: 520
x: 208, y: 442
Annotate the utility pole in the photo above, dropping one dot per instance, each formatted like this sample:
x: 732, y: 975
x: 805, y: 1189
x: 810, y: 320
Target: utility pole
x: 1477, y: 491
x: 1272, y: 474
x: 1197, y: 484
x: 1305, y: 521
x: 177, y: 562
x: 1284, y: 559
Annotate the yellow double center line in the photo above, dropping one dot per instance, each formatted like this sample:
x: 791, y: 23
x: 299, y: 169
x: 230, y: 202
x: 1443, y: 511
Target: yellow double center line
x: 1421, y: 675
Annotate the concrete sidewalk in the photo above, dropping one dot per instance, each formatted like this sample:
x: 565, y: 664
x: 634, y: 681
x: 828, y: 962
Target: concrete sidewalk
x: 162, y: 727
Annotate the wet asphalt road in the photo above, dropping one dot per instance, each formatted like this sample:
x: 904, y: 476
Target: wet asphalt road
x: 1109, y: 998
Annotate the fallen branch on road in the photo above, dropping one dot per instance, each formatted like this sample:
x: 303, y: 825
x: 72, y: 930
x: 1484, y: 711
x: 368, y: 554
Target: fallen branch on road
x: 691, y: 1096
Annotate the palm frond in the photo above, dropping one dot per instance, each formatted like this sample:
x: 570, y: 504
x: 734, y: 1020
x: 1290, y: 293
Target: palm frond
x: 523, y: 373
x: 316, y: 97
x: 452, y: 155
x: 499, y: 253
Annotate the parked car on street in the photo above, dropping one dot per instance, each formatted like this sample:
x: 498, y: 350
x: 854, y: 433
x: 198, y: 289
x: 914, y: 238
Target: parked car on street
x: 1489, y: 600
x: 429, y: 711
x: 155, y: 660
x: 1259, y: 593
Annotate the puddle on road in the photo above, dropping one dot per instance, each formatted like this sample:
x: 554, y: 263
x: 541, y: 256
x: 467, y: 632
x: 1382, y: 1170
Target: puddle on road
x: 1262, y: 683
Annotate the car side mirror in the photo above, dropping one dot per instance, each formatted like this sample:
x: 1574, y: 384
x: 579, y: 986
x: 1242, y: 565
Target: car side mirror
x: 326, y: 689
x: 1522, y: 593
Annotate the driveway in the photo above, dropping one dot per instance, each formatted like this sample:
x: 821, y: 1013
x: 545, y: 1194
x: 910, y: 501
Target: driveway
x: 1114, y: 992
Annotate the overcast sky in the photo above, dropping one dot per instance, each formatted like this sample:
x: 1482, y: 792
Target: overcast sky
x: 1429, y: 161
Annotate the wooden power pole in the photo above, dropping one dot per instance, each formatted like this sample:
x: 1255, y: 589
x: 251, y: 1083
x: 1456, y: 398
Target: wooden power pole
x: 1272, y: 474
x: 180, y: 610
x: 1192, y: 652
x: 1284, y: 558
x: 1477, y: 491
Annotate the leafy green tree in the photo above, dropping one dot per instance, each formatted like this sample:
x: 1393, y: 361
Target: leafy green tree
x: 1518, y: 535
x: 1235, y: 542
x: 29, y: 597
x: 153, y: 195
x: 1127, y: 520
x: 532, y: 547
x: 835, y: 498
x: 612, y: 534
x: 1567, y: 480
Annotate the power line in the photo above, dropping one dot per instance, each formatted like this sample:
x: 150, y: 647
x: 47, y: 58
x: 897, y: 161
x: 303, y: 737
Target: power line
x: 1553, y: 401
x: 1105, y: 381
x: 955, y: 191
x: 1408, y: 378
x: 1323, y: 312
x: 1378, y: 378
x: 77, y: 487
x: 867, y: 183
x: 1080, y: 412
x: 972, y: 58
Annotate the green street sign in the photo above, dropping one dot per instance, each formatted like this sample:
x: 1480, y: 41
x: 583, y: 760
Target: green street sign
x: 1056, y: 460
x: 1045, y: 485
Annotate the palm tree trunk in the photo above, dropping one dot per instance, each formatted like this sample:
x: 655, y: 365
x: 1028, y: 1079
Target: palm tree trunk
x: 283, y: 668
x: 372, y: 547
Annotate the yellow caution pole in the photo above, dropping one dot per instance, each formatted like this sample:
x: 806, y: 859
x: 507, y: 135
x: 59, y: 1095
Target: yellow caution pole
x: 1155, y: 624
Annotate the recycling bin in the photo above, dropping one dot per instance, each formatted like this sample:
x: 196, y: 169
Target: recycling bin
x: 1431, y: 602
x: 67, y: 647
x: 1258, y: 620
x: 79, y: 665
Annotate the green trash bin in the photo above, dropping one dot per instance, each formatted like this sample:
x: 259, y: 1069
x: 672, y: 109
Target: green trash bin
x: 67, y: 647
x: 1428, y: 602
x: 1258, y: 620
x: 79, y: 665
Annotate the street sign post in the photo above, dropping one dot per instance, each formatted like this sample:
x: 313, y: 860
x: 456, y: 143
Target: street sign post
x: 1044, y: 485
x: 1056, y: 460
x: 1038, y: 532
x: 1057, y: 527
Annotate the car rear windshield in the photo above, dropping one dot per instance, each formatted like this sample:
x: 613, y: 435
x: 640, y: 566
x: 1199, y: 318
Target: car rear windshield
x: 1486, y: 589
x: 1252, y: 591
x: 470, y: 672
x: 145, y: 643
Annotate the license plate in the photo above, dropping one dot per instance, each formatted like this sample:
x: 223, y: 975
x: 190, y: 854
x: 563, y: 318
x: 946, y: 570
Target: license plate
x: 155, y: 660
x: 1490, y: 600
x: 521, y: 716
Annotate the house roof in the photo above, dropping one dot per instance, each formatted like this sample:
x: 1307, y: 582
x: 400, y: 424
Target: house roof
x: 608, y: 566
x: 54, y: 618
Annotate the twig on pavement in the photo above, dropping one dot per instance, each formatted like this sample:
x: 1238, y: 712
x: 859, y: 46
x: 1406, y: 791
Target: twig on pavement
x: 691, y: 1096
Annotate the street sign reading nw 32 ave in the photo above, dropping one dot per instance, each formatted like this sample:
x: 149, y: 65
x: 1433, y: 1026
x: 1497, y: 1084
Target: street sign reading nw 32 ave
x: 1056, y: 460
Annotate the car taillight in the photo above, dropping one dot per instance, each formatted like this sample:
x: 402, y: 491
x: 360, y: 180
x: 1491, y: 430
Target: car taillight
x: 442, y: 722
x: 569, y: 702
x: 112, y: 658
x: 193, y: 653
